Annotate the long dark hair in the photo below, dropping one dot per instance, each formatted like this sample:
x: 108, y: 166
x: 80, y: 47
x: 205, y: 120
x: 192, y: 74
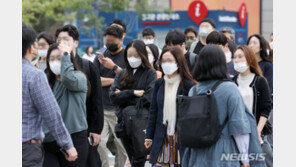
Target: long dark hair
x: 86, y: 50
x: 127, y: 78
x: 52, y: 77
x: 181, y: 62
x: 155, y: 53
x: 211, y: 64
x: 251, y: 59
x: 263, y: 53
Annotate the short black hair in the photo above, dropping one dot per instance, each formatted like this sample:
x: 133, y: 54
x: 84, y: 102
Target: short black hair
x: 191, y: 29
x: 176, y: 37
x: 47, y: 37
x: 115, y: 31
x: 120, y: 22
x: 208, y: 20
x: 217, y: 38
x: 148, y: 31
x: 211, y: 64
x: 28, y: 38
x: 72, y: 30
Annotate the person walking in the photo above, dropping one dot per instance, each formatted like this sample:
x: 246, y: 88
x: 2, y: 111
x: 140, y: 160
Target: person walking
x: 133, y: 86
x: 39, y: 105
x: 239, y: 134
x: 161, y: 128
x: 255, y: 92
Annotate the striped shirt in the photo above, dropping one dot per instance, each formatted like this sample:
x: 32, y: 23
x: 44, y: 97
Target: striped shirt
x: 38, y: 105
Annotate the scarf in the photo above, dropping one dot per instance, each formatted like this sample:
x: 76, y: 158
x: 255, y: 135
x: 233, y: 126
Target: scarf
x: 170, y: 104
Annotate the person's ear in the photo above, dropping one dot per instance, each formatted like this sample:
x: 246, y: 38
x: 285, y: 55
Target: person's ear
x: 227, y: 45
x: 183, y: 45
x: 76, y: 43
x: 31, y: 49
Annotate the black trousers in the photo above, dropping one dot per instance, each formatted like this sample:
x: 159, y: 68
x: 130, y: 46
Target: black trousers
x: 93, y: 159
x: 32, y: 155
x: 135, y: 161
x: 54, y: 157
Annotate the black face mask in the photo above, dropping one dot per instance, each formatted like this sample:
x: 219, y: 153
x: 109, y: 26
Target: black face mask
x: 112, y: 47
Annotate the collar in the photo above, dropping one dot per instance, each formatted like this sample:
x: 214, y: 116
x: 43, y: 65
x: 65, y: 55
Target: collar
x: 173, y: 79
x: 25, y: 61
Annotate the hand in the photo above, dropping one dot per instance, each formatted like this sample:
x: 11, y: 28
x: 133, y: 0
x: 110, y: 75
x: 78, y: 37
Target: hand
x: 246, y: 165
x: 107, y: 62
x: 72, y: 154
x: 139, y: 93
x: 97, y: 138
x: 117, y: 90
x: 65, y: 47
x: 148, y: 144
x: 260, y: 139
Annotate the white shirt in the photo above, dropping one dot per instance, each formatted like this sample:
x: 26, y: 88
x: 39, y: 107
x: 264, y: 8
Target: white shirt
x: 90, y: 58
x: 245, y: 89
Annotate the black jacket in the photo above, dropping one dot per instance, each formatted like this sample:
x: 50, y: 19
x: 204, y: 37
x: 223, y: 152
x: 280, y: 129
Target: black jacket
x: 267, y: 70
x: 155, y: 127
x: 143, y: 80
x: 262, y: 99
x: 94, y: 103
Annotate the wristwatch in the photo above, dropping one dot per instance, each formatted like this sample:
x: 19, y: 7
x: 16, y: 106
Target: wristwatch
x: 66, y: 53
x: 115, y: 67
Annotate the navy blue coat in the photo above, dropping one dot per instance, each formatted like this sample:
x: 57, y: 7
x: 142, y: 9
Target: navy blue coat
x: 155, y: 128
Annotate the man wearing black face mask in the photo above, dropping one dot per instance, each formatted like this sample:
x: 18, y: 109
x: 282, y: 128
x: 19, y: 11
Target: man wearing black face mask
x: 109, y: 64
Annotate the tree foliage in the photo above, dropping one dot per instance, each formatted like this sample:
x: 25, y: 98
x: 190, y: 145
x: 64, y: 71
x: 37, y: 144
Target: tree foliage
x: 46, y: 14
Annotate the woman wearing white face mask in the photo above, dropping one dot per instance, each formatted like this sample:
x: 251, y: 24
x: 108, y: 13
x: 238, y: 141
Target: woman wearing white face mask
x: 132, y: 87
x: 70, y: 87
x: 255, y: 92
x: 161, y: 132
x: 153, y: 55
x: 44, y: 40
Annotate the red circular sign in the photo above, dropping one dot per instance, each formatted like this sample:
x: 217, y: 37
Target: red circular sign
x: 197, y: 11
x: 242, y: 14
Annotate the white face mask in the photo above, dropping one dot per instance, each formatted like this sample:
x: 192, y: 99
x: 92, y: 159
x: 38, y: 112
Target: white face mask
x: 148, y: 41
x: 241, y: 67
x: 55, y: 67
x: 271, y: 45
x: 169, y: 68
x: 134, y: 62
x: 42, y: 53
x: 151, y: 58
x: 228, y: 55
x: 204, y: 32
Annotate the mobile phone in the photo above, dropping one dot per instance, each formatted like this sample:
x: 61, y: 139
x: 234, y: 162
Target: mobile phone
x: 64, y: 152
x: 100, y: 54
x: 91, y: 140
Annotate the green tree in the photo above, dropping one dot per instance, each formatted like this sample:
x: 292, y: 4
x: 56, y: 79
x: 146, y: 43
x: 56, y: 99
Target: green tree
x: 47, y: 15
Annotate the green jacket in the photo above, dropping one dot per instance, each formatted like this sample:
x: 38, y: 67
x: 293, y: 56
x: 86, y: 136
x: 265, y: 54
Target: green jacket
x: 70, y: 93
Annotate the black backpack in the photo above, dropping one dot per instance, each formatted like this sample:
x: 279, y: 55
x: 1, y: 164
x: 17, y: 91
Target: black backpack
x: 198, y: 124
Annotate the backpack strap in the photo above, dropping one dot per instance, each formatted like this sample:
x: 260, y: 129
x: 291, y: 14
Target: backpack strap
x: 217, y: 84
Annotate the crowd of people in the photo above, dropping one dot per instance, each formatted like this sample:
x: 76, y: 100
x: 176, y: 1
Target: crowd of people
x: 126, y: 99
